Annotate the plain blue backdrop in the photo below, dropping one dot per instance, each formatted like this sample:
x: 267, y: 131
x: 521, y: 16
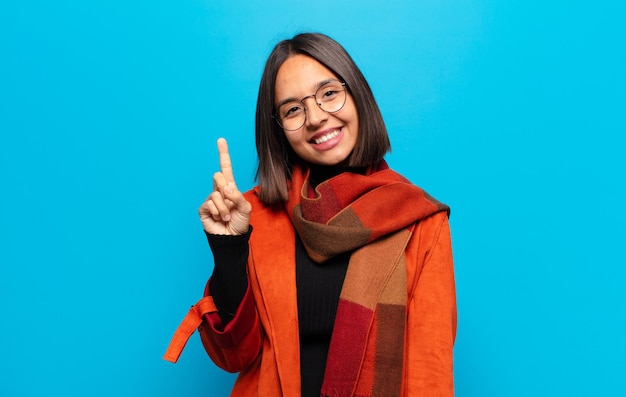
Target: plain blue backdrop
x: 512, y: 112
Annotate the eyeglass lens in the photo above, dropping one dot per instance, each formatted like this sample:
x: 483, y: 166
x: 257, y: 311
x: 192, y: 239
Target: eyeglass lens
x: 330, y: 98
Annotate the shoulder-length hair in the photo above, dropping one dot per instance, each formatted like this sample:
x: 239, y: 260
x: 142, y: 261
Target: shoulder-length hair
x: 276, y: 157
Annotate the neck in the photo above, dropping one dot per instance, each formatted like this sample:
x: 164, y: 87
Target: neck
x: 321, y: 173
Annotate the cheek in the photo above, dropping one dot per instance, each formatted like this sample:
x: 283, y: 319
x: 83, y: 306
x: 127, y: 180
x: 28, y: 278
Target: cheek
x: 294, y: 138
x: 351, y: 113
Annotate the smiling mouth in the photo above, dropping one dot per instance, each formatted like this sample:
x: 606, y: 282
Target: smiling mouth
x: 326, y: 137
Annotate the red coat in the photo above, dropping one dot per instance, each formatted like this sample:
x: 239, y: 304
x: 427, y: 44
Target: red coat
x: 261, y: 342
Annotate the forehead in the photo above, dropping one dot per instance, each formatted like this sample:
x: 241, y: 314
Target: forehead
x: 300, y: 75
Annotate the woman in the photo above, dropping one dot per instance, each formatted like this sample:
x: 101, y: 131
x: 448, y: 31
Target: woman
x: 334, y: 275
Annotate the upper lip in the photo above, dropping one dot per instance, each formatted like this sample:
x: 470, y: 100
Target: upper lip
x: 324, y: 132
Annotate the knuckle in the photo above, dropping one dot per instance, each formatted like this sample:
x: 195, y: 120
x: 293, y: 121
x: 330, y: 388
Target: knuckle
x: 216, y: 195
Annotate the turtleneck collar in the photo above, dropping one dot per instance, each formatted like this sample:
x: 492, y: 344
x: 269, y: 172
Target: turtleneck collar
x: 321, y: 173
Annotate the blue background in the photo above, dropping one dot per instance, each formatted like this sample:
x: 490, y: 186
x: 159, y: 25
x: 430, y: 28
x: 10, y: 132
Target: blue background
x: 512, y: 112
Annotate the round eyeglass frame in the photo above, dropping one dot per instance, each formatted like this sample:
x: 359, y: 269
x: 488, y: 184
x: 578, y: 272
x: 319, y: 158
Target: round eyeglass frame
x: 343, y: 84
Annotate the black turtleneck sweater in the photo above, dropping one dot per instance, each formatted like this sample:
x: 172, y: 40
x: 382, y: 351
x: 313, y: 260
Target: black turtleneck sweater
x: 318, y: 287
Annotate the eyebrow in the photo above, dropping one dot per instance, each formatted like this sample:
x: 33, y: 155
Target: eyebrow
x: 292, y: 99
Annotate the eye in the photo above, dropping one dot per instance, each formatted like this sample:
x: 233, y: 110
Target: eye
x: 290, y: 110
x: 329, y: 92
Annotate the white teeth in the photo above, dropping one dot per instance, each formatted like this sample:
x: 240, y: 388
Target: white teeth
x: 326, y: 137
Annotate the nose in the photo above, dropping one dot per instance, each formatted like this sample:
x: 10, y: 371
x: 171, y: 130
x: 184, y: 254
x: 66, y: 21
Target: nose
x: 314, y: 114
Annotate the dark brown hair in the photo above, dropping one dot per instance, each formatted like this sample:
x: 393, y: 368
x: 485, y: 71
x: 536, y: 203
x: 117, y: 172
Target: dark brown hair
x: 276, y: 157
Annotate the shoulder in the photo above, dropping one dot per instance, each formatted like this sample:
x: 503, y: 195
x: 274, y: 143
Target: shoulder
x: 428, y: 230
x: 427, y: 233
x: 430, y: 239
x: 261, y: 212
x: 252, y: 196
x: 435, y: 222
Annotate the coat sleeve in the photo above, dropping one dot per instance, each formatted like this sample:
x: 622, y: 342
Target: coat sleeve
x: 432, y: 315
x: 235, y: 346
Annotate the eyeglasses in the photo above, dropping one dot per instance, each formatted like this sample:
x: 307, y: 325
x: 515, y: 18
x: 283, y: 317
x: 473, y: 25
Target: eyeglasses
x: 330, y: 97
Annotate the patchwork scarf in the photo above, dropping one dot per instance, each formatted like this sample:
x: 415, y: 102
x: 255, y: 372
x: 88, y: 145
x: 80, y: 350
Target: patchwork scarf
x: 372, y: 216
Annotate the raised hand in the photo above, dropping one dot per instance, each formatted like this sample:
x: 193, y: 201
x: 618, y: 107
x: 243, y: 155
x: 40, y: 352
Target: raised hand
x: 225, y: 211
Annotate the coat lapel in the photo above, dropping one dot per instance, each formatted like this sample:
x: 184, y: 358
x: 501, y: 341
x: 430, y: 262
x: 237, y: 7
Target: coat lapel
x: 272, y: 252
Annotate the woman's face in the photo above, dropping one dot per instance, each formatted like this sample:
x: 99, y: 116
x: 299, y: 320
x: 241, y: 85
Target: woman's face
x: 325, y: 138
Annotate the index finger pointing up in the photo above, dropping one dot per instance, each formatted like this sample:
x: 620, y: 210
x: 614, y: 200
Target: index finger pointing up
x: 225, y: 164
